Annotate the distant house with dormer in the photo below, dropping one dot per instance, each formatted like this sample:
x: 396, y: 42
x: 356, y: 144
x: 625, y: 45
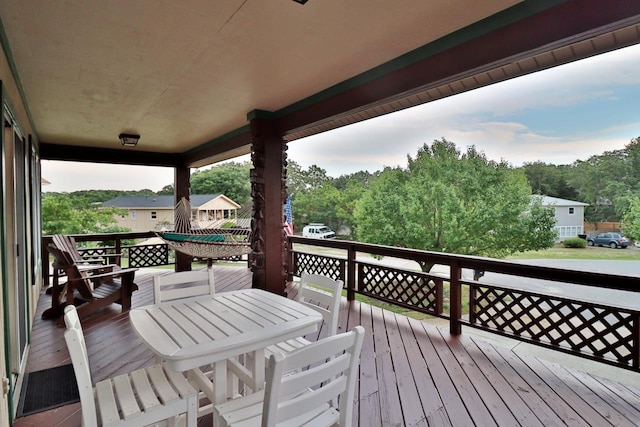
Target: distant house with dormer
x: 569, y: 216
x: 144, y: 213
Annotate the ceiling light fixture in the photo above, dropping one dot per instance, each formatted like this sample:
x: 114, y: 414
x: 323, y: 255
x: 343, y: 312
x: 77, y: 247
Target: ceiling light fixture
x: 301, y: 1
x: 129, y: 140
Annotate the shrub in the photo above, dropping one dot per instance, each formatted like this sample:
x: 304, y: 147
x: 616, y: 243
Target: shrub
x: 574, y: 242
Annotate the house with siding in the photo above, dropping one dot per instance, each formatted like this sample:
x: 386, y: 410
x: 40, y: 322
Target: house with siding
x: 144, y: 213
x: 569, y: 216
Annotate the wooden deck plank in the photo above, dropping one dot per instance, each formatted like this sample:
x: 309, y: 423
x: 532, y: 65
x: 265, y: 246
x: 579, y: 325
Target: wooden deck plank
x: 512, y: 402
x: 468, y: 359
x: 453, y: 404
x: 476, y: 407
x: 407, y: 389
x: 591, y: 400
x: 411, y: 372
x: 614, y: 401
x: 535, y: 395
x: 427, y: 392
x: 555, y: 393
x: 368, y: 391
x: 390, y: 409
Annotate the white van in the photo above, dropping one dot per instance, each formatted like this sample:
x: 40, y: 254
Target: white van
x: 319, y: 231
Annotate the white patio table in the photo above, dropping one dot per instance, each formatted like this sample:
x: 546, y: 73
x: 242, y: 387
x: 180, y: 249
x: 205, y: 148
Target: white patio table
x: 192, y: 333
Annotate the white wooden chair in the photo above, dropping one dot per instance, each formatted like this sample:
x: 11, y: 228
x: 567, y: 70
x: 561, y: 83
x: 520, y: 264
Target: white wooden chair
x: 183, y: 284
x: 142, y: 397
x: 314, y: 289
x: 303, y: 396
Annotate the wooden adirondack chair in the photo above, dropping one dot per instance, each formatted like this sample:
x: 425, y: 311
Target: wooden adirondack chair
x: 68, y: 244
x: 89, y: 288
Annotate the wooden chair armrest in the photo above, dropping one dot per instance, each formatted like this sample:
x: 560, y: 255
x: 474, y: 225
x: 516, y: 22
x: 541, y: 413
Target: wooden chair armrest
x: 114, y: 273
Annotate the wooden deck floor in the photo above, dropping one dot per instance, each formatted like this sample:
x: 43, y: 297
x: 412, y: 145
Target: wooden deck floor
x: 412, y: 373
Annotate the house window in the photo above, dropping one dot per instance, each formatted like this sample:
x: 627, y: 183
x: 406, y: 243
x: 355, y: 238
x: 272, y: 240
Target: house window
x: 133, y: 215
x: 153, y: 215
x: 572, y: 211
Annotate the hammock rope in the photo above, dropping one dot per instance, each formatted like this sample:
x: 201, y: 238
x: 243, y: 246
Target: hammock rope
x: 207, y: 238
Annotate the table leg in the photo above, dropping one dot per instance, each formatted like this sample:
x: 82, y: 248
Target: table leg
x: 257, y: 369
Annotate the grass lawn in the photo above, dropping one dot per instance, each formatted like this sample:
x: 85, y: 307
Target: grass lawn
x: 560, y: 252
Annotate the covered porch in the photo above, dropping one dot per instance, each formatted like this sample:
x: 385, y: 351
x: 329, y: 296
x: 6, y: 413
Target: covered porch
x: 412, y: 372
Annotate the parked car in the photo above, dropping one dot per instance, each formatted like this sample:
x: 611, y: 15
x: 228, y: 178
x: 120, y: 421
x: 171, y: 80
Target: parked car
x: 613, y: 240
x: 319, y: 231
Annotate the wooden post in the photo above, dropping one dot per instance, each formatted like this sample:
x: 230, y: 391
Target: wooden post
x: 455, y: 299
x: 182, y: 189
x: 268, y: 190
x: 351, y: 273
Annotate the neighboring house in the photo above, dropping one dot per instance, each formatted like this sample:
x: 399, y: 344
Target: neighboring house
x: 569, y: 216
x: 146, y: 213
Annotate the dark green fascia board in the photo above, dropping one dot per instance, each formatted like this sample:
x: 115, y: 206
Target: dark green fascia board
x: 262, y: 114
x: 3, y: 276
x: 501, y: 19
x: 238, y: 133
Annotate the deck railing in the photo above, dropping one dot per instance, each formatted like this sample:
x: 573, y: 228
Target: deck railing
x: 600, y: 331
x: 597, y: 330
x: 107, y: 245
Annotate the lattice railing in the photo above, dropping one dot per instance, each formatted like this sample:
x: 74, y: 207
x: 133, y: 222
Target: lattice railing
x: 596, y: 331
x: 415, y: 290
x: 318, y: 264
x: 148, y: 255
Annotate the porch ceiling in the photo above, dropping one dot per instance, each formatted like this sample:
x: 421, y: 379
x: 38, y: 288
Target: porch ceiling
x: 184, y: 75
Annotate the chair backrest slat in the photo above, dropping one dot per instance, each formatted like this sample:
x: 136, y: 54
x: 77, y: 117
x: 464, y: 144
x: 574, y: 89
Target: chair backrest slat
x: 323, y: 294
x: 183, y: 284
x: 74, y: 338
x: 332, y: 369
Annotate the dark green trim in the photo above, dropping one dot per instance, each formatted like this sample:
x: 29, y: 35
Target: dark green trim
x: 261, y: 114
x: 3, y: 264
x: 75, y: 153
x: 244, y: 130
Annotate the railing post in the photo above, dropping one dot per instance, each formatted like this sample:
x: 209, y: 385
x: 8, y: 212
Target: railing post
x: 351, y: 273
x: 636, y: 343
x: 455, y: 299
x: 290, y: 266
x: 118, y: 251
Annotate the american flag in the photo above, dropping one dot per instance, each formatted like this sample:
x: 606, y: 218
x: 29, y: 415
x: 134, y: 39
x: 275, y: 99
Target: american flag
x: 288, y: 217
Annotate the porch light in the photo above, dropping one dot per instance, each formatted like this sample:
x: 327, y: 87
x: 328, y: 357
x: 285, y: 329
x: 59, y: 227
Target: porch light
x: 301, y: 1
x: 129, y: 140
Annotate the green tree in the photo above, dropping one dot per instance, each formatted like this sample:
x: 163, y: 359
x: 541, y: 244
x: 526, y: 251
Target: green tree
x: 448, y: 201
x: 60, y: 216
x: 230, y: 179
x: 549, y: 180
x: 631, y: 219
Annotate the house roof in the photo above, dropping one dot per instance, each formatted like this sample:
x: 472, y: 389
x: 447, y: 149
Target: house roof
x: 159, y: 202
x: 555, y: 201
x: 188, y: 76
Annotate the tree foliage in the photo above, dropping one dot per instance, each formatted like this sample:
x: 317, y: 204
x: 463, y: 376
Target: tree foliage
x: 448, y: 201
x: 320, y: 198
x: 230, y: 179
x: 631, y: 219
x: 61, y: 216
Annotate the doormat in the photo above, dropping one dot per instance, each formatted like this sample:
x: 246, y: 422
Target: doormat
x: 47, y: 389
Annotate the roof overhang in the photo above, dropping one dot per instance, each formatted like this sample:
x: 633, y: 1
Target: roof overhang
x: 188, y: 77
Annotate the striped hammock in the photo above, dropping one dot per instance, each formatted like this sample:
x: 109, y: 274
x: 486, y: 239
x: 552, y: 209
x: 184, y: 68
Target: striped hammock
x: 211, y: 242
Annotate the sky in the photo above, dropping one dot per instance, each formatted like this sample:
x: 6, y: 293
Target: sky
x: 557, y: 116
